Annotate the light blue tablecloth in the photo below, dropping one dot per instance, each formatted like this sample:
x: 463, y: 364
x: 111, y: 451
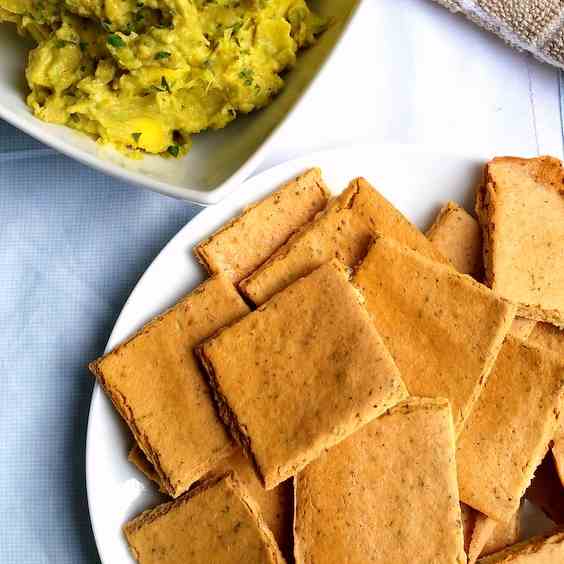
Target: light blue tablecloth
x: 74, y: 243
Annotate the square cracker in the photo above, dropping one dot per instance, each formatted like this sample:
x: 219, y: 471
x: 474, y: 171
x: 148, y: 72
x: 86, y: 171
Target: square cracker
x: 443, y: 329
x: 344, y: 231
x: 301, y: 373
x: 456, y: 234
x: 491, y: 536
x: 373, y: 496
x: 276, y: 505
x: 155, y: 383
x: 507, y: 434
x: 215, y: 522
x: 552, y: 338
x: 548, y: 549
x: 521, y: 208
x: 243, y: 244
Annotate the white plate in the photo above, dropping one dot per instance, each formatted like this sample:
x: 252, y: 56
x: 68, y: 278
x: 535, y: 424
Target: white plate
x: 219, y: 161
x: 417, y: 181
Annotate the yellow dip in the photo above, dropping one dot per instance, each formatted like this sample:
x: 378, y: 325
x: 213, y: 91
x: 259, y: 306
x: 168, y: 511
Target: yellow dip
x: 146, y: 74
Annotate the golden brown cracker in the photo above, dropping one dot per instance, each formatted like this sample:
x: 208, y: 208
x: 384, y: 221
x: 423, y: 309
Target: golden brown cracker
x: 508, y: 432
x: 548, y: 549
x: 155, y: 383
x: 301, y: 373
x: 243, y: 244
x: 552, y: 338
x: 491, y: 536
x: 521, y: 209
x: 344, y: 231
x: 372, y: 497
x: 457, y: 235
x: 443, y: 328
x: 215, y: 522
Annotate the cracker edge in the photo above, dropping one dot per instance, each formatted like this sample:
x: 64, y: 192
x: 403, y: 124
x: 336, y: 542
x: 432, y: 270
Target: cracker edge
x: 536, y: 543
x: 503, y: 328
x: 485, y: 208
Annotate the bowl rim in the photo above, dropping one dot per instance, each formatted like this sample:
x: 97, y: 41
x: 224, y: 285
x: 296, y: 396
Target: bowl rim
x: 34, y: 128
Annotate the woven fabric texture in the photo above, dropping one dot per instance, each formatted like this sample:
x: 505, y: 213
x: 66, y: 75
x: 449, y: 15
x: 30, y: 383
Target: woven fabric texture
x: 536, y: 26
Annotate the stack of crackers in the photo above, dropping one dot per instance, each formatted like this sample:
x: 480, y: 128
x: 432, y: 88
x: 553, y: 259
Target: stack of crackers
x: 347, y: 389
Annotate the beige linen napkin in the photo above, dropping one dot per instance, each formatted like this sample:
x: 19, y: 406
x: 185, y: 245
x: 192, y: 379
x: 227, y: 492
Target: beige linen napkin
x: 533, y: 25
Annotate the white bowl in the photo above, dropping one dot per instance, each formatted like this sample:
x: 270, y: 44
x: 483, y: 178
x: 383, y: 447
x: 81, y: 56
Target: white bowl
x: 218, y: 162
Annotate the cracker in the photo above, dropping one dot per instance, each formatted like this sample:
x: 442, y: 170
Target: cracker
x: 301, y: 373
x: 276, y: 505
x: 373, y: 496
x: 215, y: 522
x: 508, y: 432
x: 243, y: 244
x: 490, y: 536
x: 521, y: 208
x: 552, y: 338
x: 548, y: 549
x: 155, y: 383
x: 457, y: 235
x: 344, y: 231
x: 443, y: 328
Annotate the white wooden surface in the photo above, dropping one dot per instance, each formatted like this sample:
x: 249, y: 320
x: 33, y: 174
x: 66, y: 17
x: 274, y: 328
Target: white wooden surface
x: 422, y: 75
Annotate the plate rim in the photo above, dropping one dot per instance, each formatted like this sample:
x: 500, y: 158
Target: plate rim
x: 300, y: 162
